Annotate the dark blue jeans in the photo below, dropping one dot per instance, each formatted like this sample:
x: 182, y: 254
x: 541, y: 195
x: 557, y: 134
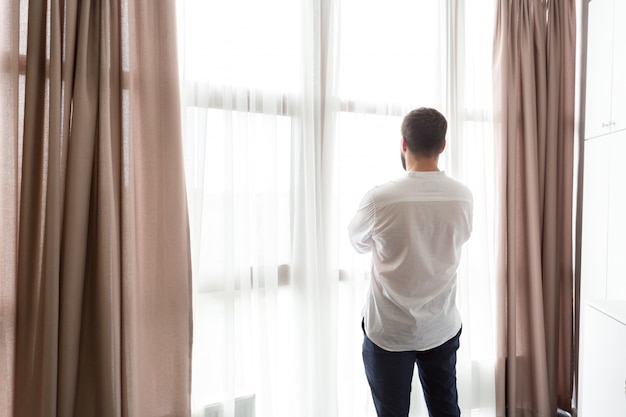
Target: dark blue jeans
x: 389, y: 375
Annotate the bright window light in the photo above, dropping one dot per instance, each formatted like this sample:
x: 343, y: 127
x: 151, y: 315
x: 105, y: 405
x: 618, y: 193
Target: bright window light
x: 388, y: 49
x: 243, y: 43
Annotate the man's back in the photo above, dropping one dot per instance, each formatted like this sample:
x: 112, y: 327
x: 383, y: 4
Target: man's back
x: 415, y: 227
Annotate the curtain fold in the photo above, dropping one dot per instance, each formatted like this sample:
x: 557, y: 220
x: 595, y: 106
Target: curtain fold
x: 314, y: 276
x: 534, y: 64
x: 102, y: 274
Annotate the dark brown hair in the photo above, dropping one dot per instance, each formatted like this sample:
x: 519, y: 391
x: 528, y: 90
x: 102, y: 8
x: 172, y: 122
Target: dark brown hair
x: 424, y: 130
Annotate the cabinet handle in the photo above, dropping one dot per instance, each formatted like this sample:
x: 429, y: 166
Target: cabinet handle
x: 609, y: 124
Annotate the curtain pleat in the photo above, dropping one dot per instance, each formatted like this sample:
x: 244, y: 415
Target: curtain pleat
x: 100, y: 287
x: 157, y: 337
x: 562, y: 31
x: 534, y: 84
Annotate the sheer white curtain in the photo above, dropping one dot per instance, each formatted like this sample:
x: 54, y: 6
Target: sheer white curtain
x: 292, y: 111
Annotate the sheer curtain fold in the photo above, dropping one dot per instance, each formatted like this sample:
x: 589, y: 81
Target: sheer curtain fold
x: 534, y: 71
x: 102, y: 271
x: 9, y: 192
x: 255, y: 145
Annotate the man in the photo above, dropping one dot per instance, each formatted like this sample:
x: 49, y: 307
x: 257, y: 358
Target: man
x: 414, y: 227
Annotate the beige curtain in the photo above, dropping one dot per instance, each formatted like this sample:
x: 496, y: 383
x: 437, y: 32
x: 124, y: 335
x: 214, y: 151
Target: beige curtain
x: 95, y: 289
x: 534, y: 64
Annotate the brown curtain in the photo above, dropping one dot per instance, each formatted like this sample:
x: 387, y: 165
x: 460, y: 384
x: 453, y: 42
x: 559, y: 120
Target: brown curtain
x: 534, y: 65
x: 95, y: 289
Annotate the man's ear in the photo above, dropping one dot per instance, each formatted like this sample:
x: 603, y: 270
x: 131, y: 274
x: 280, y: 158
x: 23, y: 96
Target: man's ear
x: 403, y: 144
x: 443, y: 147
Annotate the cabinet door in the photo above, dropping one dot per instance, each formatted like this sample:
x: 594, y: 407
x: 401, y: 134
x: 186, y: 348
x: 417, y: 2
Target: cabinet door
x: 618, y: 101
x: 595, y: 217
x: 599, y: 68
x: 616, y: 236
x: 603, y: 376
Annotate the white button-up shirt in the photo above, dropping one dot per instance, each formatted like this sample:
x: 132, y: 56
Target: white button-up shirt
x: 414, y: 227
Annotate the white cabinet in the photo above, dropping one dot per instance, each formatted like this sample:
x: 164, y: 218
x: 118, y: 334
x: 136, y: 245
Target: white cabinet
x: 618, y: 96
x: 602, y: 385
x: 602, y: 364
x: 616, y: 213
x: 603, y: 254
x: 603, y: 250
x: 605, y: 103
x: 593, y: 262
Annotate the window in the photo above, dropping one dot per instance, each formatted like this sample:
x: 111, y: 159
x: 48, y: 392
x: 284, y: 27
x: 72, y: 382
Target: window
x: 240, y: 72
x: 292, y: 110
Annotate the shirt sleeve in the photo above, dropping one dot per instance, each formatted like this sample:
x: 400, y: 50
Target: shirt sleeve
x: 362, y: 225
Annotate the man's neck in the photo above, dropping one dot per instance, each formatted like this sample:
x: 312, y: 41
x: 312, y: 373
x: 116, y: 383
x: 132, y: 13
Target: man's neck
x: 422, y: 164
